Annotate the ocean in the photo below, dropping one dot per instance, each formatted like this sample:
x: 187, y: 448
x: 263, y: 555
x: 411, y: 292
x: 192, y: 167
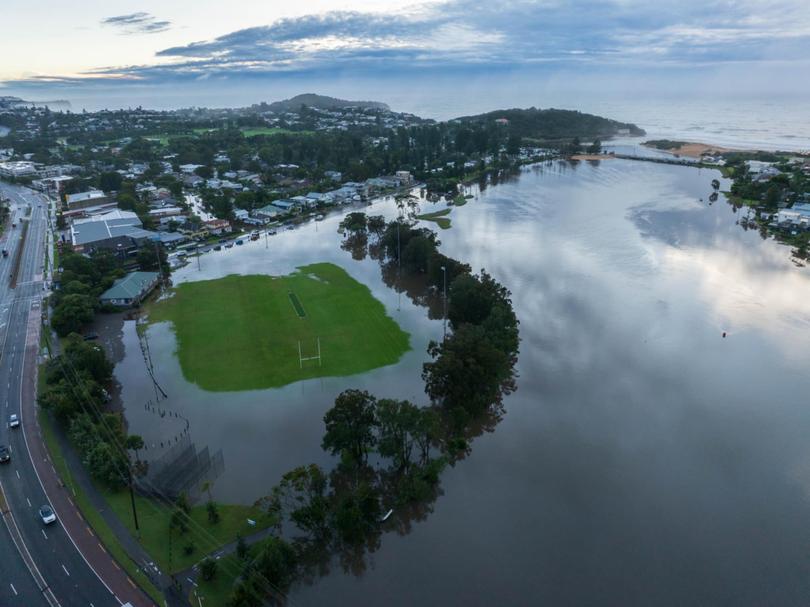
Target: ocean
x: 776, y: 123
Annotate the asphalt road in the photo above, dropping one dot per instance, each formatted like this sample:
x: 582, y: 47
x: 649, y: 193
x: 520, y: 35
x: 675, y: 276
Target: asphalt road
x: 63, y: 569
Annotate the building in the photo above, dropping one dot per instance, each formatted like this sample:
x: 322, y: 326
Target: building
x: 218, y: 226
x: 268, y: 212
x: 130, y: 290
x: 404, y: 177
x: 19, y: 168
x: 123, y: 234
x: 83, y: 200
x: 240, y: 214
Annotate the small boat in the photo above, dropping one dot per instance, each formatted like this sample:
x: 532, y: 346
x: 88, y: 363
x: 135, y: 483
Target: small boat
x: 386, y: 516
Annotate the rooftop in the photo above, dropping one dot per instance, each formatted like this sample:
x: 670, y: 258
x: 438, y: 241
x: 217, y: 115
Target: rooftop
x: 130, y: 286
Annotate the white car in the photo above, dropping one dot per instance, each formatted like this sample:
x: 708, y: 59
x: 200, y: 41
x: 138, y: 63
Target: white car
x: 47, y: 514
x: 13, y: 420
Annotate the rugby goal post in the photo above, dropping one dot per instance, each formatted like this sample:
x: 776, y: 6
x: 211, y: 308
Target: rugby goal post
x: 302, y: 358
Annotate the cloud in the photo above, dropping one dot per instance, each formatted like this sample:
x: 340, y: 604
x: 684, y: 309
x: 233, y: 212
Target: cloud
x: 137, y: 23
x: 460, y: 35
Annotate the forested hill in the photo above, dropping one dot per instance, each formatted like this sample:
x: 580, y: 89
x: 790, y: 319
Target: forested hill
x: 553, y: 124
x: 322, y: 102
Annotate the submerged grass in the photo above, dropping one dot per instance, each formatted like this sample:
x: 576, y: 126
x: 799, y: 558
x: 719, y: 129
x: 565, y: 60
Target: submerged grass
x: 243, y: 332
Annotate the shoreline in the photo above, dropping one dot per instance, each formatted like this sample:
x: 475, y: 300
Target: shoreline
x: 696, y: 149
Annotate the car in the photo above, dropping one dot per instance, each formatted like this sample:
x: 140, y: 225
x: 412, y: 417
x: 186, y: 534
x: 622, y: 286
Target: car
x: 5, y: 454
x: 290, y: 227
x: 13, y: 420
x: 47, y: 514
x: 218, y: 248
x: 240, y: 242
x: 229, y: 245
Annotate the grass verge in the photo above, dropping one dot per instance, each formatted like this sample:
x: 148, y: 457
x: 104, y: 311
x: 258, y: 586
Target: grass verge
x: 91, y: 515
x: 169, y: 549
x: 243, y: 332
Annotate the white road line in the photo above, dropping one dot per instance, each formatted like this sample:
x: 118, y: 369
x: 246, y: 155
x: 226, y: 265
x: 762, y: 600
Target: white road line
x: 18, y: 473
x: 13, y: 589
x: 66, y: 571
x: 45, y: 535
x: 29, y: 502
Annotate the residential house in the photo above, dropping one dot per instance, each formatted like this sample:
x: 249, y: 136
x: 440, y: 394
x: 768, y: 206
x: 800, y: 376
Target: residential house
x: 218, y: 226
x: 130, y: 290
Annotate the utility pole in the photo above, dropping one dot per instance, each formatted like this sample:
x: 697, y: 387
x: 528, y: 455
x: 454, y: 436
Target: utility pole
x: 399, y: 267
x: 132, y: 500
x: 444, y: 290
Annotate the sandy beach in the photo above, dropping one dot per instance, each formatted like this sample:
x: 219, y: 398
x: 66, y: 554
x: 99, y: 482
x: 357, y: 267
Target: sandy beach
x: 696, y: 150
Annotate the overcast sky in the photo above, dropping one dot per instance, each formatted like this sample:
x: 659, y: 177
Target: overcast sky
x: 173, y: 41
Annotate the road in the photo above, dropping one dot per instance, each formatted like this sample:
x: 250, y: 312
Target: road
x: 64, y: 575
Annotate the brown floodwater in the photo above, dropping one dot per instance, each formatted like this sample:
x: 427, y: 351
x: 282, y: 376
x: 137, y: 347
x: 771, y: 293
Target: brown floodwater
x: 643, y: 460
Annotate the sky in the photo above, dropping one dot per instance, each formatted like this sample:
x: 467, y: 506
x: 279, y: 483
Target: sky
x: 745, y: 43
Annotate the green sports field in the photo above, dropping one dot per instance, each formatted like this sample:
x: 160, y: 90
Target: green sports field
x: 243, y: 332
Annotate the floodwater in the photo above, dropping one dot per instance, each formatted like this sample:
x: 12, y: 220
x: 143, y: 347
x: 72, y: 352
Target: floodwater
x: 643, y: 460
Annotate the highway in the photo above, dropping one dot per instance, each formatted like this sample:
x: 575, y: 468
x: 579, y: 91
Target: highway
x: 61, y: 575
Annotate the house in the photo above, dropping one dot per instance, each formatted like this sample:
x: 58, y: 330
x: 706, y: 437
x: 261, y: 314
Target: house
x: 286, y: 206
x: 796, y: 216
x: 171, y: 239
x: 404, y: 177
x: 240, y: 214
x: 268, y: 213
x: 189, y: 169
x: 83, y: 200
x: 218, y: 227
x: 130, y: 290
x: 333, y: 175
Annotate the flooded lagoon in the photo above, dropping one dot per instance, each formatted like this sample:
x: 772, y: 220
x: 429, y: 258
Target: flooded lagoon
x: 643, y: 460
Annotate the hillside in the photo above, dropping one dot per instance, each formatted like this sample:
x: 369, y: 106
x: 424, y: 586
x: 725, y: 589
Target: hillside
x: 552, y: 124
x: 321, y: 102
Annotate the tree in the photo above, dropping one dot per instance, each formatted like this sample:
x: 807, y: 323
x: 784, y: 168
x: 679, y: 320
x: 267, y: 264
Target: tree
x: 398, y: 423
x: 467, y: 372
x: 110, y: 181
x: 72, y: 313
x: 213, y: 512
x: 208, y: 569
x: 350, y: 425
x: 302, y: 492
x: 595, y: 147
x: 355, y: 222
x: 134, y: 443
x: 241, y: 547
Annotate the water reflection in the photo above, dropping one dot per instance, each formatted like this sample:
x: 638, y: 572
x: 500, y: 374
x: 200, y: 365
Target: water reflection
x: 644, y: 458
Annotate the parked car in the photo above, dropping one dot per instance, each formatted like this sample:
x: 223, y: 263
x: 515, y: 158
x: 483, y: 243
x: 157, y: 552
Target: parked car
x: 5, y: 253
x: 47, y: 514
x: 240, y: 242
x: 5, y: 454
x: 13, y: 420
x: 218, y: 248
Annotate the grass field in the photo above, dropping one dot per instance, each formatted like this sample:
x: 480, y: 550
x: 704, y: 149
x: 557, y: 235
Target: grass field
x: 267, y: 130
x: 243, y: 332
x: 440, y: 218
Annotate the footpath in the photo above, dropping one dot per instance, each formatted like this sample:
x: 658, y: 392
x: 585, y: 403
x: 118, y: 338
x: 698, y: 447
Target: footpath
x: 77, y: 529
